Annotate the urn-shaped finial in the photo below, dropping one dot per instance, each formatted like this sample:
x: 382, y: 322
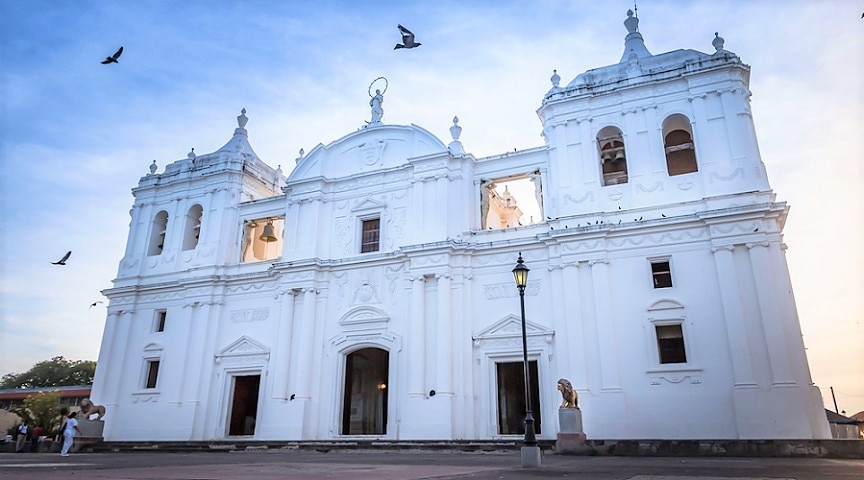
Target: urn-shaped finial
x: 242, y: 119
x: 455, y: 130
x: 153, y: 168
x: 555, y: 79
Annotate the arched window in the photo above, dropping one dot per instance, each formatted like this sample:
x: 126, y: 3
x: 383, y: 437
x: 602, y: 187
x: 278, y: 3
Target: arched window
x: 678, y: 143
x: 193, y: 227
x: 613, y: 157
x: 157, y: 233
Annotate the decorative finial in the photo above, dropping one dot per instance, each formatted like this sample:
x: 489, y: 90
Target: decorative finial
x: 242, y: 119
x: 302, y: 152
x: 632, y: 23
x: 455, y: 146
x: 455, y: 130
x: 191, y: 154
x: 718, y: 42
x: 153, y: 168
x: 556, y: 79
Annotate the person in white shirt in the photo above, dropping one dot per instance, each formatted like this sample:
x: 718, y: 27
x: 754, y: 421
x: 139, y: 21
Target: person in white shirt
x: 69, y: 433
x: 21, y: 438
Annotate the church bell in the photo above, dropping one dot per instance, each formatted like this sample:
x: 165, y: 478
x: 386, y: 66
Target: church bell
x: 268, y: 235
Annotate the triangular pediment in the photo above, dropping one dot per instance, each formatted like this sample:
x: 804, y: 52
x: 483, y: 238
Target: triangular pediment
x: 243, y: 346
x: 368, y: 204
x: 511, y: 326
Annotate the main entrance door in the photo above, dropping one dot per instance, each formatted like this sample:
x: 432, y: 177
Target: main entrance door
x: 511, y: 398
x: 364, y: 406
x: 244, y: 405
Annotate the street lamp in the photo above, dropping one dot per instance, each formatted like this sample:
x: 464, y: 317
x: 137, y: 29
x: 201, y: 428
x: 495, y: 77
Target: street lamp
x: 520, y: 274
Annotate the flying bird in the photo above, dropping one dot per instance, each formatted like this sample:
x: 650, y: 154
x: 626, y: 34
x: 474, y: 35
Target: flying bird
x: 62, y: 261
x: 113, y: 58
x: 94, y: 303
x: 407, y: 39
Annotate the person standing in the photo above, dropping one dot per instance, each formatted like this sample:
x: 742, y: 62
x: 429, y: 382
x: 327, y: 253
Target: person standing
x: 22, y: 437
x: 69, y: 433
x: 35, y: 438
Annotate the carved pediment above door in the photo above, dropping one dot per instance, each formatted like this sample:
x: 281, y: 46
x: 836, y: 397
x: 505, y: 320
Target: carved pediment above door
x: 508, y: 332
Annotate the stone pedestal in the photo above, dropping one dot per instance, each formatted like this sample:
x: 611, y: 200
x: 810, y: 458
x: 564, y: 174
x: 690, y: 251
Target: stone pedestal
x: 91, y: 434
x: 571, y: 438
x: 91, y: 428
x: 530, y: 456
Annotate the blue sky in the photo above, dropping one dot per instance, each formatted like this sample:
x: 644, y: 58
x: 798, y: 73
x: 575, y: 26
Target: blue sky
x: 77, y: 135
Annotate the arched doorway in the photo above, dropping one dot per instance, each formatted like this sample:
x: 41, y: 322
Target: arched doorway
x: 364, y: 405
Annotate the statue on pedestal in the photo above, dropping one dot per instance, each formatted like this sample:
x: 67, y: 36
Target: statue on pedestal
x: 571, y: 438
x: 570, y: 399
x: 88, y: 409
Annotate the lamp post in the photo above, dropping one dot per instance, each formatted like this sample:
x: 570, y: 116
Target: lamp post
x: 530, y: 451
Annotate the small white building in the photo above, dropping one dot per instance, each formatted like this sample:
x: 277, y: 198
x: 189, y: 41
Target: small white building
x: 369, y: 294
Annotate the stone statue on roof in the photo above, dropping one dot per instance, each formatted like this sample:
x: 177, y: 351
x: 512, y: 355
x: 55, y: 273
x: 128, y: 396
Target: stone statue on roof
x: 377, y: 110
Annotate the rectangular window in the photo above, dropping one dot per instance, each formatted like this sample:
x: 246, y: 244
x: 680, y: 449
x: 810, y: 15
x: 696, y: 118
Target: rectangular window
x: 152, y: 373
x: 670, y: 344
x: 159, y: 322
x: 662, y: 274
x: 371, y: 233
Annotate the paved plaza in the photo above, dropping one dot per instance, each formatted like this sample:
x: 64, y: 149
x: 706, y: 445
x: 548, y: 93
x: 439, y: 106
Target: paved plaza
x: 409, y: 465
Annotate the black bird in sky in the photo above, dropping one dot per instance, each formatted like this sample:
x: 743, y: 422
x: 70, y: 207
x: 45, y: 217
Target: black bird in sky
x: 407, y: 39
x: 62, y: 261
x: 113, y: 58
x: 96, y: 302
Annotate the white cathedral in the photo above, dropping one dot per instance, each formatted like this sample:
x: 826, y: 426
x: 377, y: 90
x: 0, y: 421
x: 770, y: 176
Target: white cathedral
x: 369, y: 294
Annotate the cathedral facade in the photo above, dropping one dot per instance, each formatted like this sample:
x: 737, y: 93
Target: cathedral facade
x: 369, y: 294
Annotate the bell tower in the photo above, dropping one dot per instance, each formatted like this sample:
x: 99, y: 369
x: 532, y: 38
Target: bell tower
x: 186, y: 217
x: 652, y: 130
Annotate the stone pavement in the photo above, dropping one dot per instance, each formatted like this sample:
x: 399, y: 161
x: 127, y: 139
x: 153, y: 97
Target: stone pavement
x: 410, y: 465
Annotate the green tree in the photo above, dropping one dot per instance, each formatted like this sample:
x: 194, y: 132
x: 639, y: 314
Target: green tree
x: 42, y: 408
x: 56, y: 372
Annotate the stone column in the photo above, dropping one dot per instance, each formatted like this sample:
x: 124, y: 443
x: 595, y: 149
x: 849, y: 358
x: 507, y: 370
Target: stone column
x: 656, y: 143
x: 417, y: 339
x: 135, y: 233
x: 284, y: 348
x: 444, y: 384
x: 772, y: 321
x: 104, y: 364
x: 734, y: 127
x: 605, y: 317
x: 704, y: 155
x: 301, y: 359
x: 560, y: 319
x: 115, y: 377
x: 189, y: 361
x: 577, y: 362
x: 199, y: 396
x: 590, y: 154
x: 733, y: 314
